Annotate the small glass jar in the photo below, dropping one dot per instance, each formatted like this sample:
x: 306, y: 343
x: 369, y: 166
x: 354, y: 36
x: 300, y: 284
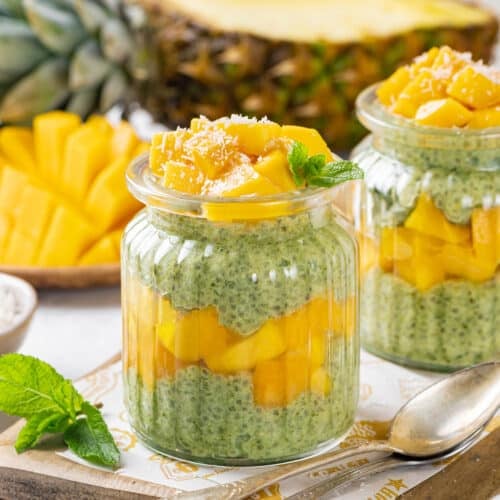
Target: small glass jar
x: 428, y: 219
x: 240, y: 324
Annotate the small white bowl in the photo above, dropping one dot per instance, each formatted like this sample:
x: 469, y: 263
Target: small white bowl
x: 13, y: 335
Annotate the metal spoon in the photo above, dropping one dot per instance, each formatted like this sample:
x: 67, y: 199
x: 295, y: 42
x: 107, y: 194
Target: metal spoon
x: 431, y: 424
x: 380, y: 464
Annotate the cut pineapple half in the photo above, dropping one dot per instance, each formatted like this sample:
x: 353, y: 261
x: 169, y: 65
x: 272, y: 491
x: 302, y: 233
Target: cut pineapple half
x: 332, y: 21
x: 63, y: 196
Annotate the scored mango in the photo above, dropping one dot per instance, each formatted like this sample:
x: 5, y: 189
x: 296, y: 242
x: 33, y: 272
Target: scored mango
x: 62, y: 187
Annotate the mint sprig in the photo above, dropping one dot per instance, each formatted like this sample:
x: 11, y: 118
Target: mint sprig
x: 316, y: 171
x: 32, y: 389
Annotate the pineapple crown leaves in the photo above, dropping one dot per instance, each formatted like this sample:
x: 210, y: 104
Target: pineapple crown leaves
x: 73, y: 54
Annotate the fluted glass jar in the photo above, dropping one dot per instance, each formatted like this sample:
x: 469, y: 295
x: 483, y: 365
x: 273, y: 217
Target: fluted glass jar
x: 428, y: 220
x: 240, y: 316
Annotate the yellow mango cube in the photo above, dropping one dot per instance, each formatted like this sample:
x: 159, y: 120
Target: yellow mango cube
x: 424, y: 87
x: 485, y: 118
x: 104, y: 251
x: 165, y: 147
x: 269, y: 384
x: 109, y: 201
x: 461, y: 262
x: 426, y: 218
x: 321, y: 382
x: 485, y: 225
x: 422, y: 271
x: 275, y: 167
x: 20, y: 250
x: 69, y: 235
x: 476, y: 86
x: 310, y: 138
x: 253, y: 136
x: 448, y: 62
x: 389, y: 90
x: 17, y: 147
x: 242, y: 181
x: 245, y: 211
x: 33, y: 212
x: 183, y: 177
x: 445, y: 112
x: 425, y: 60
x: 243, y: 355
x: 51, y: 131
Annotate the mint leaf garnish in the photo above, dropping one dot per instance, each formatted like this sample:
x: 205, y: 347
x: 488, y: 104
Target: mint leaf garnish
x: 315, y: 171
x: 32, y: 389
x: 297, y: 158
x: 37, y: 426
x: 90, y: 438
x: 29, y: 386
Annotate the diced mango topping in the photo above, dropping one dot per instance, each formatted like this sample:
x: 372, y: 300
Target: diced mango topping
x: 444, y: 88
x: 443, y: 113
x: 230, y: 157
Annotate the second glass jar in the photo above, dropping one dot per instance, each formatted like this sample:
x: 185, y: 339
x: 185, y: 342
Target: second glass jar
x: 428, y: 220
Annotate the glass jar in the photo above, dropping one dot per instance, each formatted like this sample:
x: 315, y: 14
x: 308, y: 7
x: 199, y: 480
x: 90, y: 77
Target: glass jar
x: 240, y: 324
x: 428, y: 220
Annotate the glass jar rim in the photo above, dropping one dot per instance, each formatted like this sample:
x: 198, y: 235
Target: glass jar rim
x: 143, y: 186
x: 380, y: 121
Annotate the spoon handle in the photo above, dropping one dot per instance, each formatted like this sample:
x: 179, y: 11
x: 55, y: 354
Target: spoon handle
x: 252, y: 484
x: 315, y: 491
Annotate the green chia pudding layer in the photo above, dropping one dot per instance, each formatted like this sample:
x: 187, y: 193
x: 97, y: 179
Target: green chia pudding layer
x: 449, y: 325
x: 250, y: 273
x: 457, y: 181
x: 202, y: 416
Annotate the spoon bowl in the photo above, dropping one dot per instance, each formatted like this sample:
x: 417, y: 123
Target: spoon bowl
x: 443, y: 415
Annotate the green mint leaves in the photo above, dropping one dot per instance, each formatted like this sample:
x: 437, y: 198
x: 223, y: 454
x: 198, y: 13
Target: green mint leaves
x: 32, y: 389
x: 315, y: 171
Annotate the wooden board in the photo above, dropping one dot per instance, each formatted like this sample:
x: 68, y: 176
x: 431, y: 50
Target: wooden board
x: 67, y: 277
x: 41, y: 473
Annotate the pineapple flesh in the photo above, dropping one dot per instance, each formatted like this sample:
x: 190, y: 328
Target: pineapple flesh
x: 302, y: 63
x: 63, y: 196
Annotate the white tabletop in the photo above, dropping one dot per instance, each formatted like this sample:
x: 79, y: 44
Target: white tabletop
x: 74, y: 330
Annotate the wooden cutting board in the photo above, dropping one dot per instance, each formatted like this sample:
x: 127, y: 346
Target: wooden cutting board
x: 41, y: 473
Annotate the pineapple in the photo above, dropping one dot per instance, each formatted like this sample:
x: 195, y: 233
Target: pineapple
x: 80, y: 55
x: 63, y: 196
x: 300, y: 62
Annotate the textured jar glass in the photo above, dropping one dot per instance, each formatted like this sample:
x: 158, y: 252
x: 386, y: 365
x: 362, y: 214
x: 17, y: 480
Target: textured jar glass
x: 428, y: 220
x: 240, y: 319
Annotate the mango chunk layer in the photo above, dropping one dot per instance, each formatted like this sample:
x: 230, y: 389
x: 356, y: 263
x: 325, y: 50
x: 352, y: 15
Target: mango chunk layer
x: 286, y: 356
x: 429, y: 249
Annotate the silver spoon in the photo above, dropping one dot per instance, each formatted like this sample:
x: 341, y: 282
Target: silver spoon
x: 380, y: 464
x: 431, y: 424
